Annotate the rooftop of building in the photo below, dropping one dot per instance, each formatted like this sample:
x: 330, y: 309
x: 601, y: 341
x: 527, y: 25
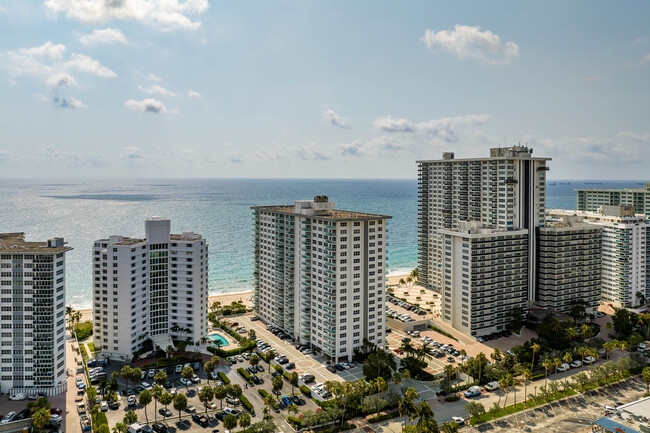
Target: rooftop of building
x: 320, y: 207
x: 475, y: 229
x: 496, y: 153
x: 127, y: 241
x: 15, y: 243
x: 618, y: 213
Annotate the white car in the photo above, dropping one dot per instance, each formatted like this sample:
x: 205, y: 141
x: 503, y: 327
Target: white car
x: 146, y: 385
x: 131, y: 400
x: 576, y: 364
x: 563, y: 367
x: 186, y: 382
x: 104, y: 406
x: 55, y: 419
x: 458, y: 420
x: 590, y: 360
x: 18, y: 396
x: 8, y: 418
x: 179, y: 368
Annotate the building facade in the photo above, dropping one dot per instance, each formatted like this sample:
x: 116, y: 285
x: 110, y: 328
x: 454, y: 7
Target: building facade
x: 32, y: 317
x: 591, y: 200
x: 506, y: 191
x: 569, y: 254
x: 152, y: 288
x: 485, y: 277
x: 320, y: 274
x: 625, y: 252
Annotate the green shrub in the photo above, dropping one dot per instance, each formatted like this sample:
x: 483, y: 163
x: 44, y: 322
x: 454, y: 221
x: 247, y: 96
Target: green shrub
x: 248, y: 346
x: 452, y: 398
x: 383, y: 417
x: 223, y: 377
x: 305, y: 390
x: 247, y: 404
x: 264, y: 394
x: 287, y: 376
x: 99, y: 419
x: 243, y: 373
x: 84, y: 330
x: 294, y: 422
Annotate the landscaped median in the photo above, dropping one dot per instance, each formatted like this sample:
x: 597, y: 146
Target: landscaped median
x: 384, y: 417
x: 223, y: 377
x: 247, y: 404
x: 265, y: 394
x: 305, y: 390
x: 243, y: 373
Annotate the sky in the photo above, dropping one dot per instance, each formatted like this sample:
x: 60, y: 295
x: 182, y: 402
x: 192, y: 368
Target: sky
x: 322, y: 89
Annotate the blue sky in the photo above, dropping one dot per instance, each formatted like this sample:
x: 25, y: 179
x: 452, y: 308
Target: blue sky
x: 204, y: 88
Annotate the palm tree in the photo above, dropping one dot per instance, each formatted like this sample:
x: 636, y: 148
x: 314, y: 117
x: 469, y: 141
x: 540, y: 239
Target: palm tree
x: 586, y: 332
x: 409, y: 279
x: 426, y: 420
x: 293, y: 409
x: 568, y: 359
x: 209, y: 369
x: 609, y: 346
x: 269, y: 357
x: 220, y: 393
x: 120, y: 427
x: 528, y: 376
x: 187, y: 374
x: 547, y: 364
x: 293, y: 380
x: 571, y: 334
x: 68, y: 312
x: 166, y: 399
x: 535, y: 348
x: 496, y: 355
x: 180, y: 404
x: 382, y: 386
x: 40, y: 418
x: 206, y: 394
x: 245, y: 420
x: 156, y: 392
x: 144, y: 399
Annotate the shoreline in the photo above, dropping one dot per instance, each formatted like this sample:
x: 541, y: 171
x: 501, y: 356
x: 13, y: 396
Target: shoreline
x: 226, y: 298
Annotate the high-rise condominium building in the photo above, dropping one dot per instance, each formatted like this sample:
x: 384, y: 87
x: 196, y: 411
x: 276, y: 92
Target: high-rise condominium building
x: 32, y: 317
x: 152, y: 288
x: 485, y: 277
x: 625, y: 252
x: 568, y: 263
x: 320, y: 273
x: 591, y: 200
x: 506, y: 191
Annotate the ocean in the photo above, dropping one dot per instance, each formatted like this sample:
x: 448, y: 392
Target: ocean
x: 219, y: 209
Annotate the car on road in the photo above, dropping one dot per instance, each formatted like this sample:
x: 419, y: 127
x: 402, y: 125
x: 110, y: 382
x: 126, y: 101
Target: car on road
x: 563, y: 367
x: 8, y: 418
x: 575, y: 364
x: 492, y: 386
x: 590, y: 360
x: 165, y: 412
x: 18, y: 396
x: 131, y: 400
x: 151, y: 373
x: 103, y: 406
x: 458, y: 420
x: 159, y: 428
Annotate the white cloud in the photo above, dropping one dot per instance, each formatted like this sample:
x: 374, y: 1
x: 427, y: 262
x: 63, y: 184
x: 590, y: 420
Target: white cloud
x: 333, y: 118
x: 235, y: 157
x: 153, y: 77
x: 103, y: 36
x: 310, y: 152
x: 470, y: 42
x: 148, y: 105
x: 383, y: 146
x: 627, y: 148
x: 70, y: 102
x: 194, y: 94
x: 49, y: 151
x: 47, y: 63
x: 131, y: 152
x: 448, y: 129
x: 157, y: 90
x: 163, y: 14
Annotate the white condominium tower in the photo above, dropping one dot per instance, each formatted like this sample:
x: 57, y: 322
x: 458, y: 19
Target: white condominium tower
x: 506, y: 191
x: 154, y: 288
x: 625, y: 252
x: 319, y: 274
x: 32, y: 320
x: 591, y: 200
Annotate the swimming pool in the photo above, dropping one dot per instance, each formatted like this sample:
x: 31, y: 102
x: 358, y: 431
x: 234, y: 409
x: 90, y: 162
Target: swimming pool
x: 219, y: 338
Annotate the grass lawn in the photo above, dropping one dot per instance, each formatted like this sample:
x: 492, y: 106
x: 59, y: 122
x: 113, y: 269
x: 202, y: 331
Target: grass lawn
x: 91, y: 346
x: 84, y: 352
x: 509, y: 410
x: 84, y: 330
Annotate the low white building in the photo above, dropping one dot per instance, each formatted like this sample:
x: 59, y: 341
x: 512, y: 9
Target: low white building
x: 320, y: 274
x: 32, y: 317
x: 152, y: 288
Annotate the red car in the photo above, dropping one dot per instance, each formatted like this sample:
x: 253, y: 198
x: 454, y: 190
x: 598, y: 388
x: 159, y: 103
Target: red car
x: 56, y: 410
x: 398, y: 350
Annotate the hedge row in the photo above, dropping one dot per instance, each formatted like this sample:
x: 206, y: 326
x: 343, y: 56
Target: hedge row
x: 223, y: 377
x: 249, y: 345
x: 305, y: 390
x: 243, y: 373
x: 99, y: 419
x: 265, y: 394
x: 287, y: 376
x: 247, y: 404
x: 383, y: 417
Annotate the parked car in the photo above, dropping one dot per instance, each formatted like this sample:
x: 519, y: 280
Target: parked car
x: 190, y: 408
x: 201, y: 420
x: 575, y: 364
x: 18, y: 396
x: 179, y: 368
x: 23, y: 414
x: 590, y: 360
x: 103, y: 406
x: 185, y: 382
x: 287, y: 400
x: 563, y: 367
x: 492, y: 386
x: 231, y: 411
x: 159, y: 428
x: 472, y: 391
x: 290, y: 366
x: 8, y: 418
x: 458, y: 420
x: 165, y: 412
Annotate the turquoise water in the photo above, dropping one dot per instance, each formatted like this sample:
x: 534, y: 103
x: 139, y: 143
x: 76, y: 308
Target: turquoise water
x: 84, y: 211
x: 217, y: 337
